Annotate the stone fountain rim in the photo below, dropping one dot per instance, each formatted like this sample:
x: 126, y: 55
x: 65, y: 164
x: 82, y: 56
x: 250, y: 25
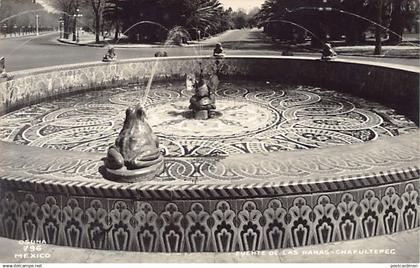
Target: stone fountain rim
x: 407, y: 170
x: 32, y: 71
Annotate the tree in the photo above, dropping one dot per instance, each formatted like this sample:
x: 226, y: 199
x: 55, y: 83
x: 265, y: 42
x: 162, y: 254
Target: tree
x: 150, y: 20
x: 291, y: 19
x: 136, y: 15
x: 204, y: 15
x: 97, y: 7
x: 113, y: 12
x: 67, y: 8
x: 70, y: 7
x: 330, y: 19
x: 251, y: 16
x: 402, y: 15
x: 240, y: 19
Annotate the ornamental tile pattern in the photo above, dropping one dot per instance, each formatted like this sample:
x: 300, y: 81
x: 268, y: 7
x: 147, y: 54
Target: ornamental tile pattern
x: 251, y: 117
x: 208, y: 225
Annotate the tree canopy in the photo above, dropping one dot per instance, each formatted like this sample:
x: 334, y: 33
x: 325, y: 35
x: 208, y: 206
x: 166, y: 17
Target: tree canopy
x: 288, y: 19
x: 195, y: 16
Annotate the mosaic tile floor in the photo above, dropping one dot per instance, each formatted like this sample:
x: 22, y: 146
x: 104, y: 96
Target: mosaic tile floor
x: 251, y: 117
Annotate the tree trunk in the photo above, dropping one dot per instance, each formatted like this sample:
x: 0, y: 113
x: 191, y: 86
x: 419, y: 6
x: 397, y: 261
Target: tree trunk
x: 378, y: 30
x: 74, y: 28
x: 97, y: 27
x: 66, y: 27
x: 397, y: 23
x: 117, y: 30
x: 378, y: 42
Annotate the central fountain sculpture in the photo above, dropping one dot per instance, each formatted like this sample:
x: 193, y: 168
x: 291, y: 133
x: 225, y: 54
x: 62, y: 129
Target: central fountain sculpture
x: 203, y: 102
x: 135, y: 156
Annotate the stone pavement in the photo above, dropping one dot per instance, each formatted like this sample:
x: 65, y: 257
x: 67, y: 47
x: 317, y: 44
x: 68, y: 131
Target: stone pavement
x: 395, y: 248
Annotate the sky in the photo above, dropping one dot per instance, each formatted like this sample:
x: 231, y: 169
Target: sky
x: 46, y: 6
x: 244, y: 4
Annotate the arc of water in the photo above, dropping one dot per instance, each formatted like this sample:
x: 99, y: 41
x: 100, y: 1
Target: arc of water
x: 21, y: 13
x: 171, y: 34
x: 139, y: 23
x: 342, y: 11
x: 351, y: 14
x: 298, y: 25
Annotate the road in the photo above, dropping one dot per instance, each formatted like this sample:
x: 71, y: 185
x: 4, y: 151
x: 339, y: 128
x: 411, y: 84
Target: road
x: 32, y: 52
x: 41, y: 51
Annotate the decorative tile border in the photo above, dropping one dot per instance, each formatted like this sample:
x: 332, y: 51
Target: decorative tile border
x: 377, y: 163
x: 209, y: 225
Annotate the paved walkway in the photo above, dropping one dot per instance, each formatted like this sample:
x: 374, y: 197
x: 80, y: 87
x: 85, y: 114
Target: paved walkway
x: 396, y: 248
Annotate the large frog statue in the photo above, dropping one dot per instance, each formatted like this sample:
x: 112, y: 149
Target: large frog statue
x: 136, y: 153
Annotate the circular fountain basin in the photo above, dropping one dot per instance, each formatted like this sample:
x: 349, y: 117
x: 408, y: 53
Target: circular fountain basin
x: 298, y: 152
x: 251, y: 117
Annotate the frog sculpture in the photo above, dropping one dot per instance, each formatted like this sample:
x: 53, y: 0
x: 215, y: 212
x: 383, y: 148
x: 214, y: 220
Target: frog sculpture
x: 135, y: 155
x: 218, y: 51
x: 110, y: 55
x: 328, y: 52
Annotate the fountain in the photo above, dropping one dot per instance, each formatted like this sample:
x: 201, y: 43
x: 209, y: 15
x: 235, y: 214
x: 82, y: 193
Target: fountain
x: 299, y: 152
x: 273, y: 154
